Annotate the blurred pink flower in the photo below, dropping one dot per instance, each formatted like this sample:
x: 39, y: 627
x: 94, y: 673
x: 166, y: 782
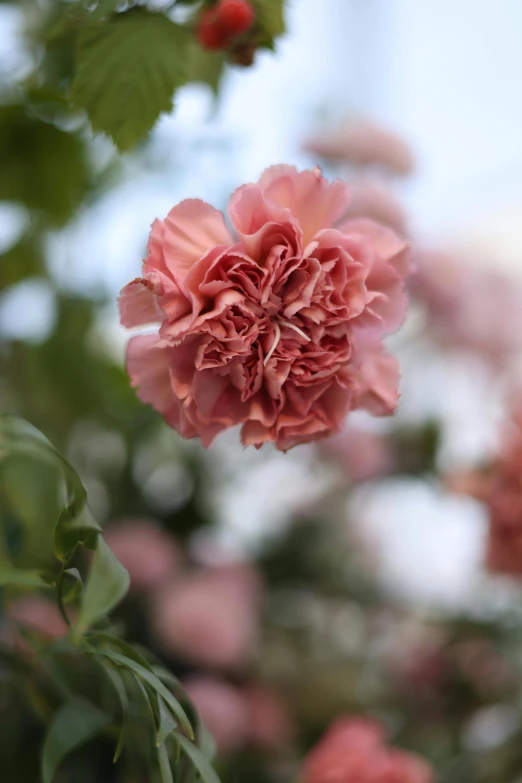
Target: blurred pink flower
x: 362, y: 455
x: 149, y: 554
x: 469, y: 306
x: 364, y: 143
x: 36, y: 614
x: 502, y: 495
x: 210, y: 617
x: 223, y: 709
x: 278, y: 328
x: 354, y: 751
x: 270, y: 725
x: 375, y: 203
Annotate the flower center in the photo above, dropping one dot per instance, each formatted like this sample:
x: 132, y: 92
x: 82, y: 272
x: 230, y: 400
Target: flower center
x: 277, y: 336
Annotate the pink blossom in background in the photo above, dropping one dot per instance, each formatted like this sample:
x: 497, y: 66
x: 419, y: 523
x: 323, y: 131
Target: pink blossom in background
x: 502, y: 495
x: 270, y: 725
x: 278, y: 326
x: 470, y: 306
x: 364, y: 143
x: 353, y: 750
x: 150, y: 555
x: 36, y: 614
x: 223, y: 709
x: 376, y: 203
x: 361, y: 455
x: 209, y: 617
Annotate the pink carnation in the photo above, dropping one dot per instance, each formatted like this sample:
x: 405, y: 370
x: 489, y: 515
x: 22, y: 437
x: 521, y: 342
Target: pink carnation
x: 361, y: 455
x: 149, y: 554
x: 354, y: 751
x: 209, y: 617
x: 278, y: 326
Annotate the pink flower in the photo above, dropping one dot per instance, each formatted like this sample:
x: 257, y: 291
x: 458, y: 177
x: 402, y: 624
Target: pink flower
x: 362, y: 455
x: 270, y: 725
x: 354, y: 751
x: 209, y: 618
x: 471, y: 307
x: 149, y: 554
x: 502, y: 494
x: 371, y: 201
x: 364, y: 143
x: 499, y: 488
x: 223, y: 709
x: 278, y: 328
x: 36, y: 614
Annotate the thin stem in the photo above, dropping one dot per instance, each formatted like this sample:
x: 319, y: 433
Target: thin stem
x: 59, y: 590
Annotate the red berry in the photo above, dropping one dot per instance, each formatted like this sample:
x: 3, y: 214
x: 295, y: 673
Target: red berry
x: 235, y: 16
x: 211, y: 34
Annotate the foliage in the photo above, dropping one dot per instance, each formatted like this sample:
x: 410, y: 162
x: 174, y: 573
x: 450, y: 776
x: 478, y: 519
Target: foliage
x: 76, y: 719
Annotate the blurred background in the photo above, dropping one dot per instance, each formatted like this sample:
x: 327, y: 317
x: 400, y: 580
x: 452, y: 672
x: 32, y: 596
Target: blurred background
x: 285, y: 589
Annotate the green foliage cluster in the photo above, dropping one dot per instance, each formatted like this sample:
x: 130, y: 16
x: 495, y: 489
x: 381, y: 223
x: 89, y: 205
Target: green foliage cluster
x: 91, y: 642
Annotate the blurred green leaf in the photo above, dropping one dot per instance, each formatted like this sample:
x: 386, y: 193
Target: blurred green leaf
x: 43, y: 167
x: 73, y: 585
x: 198, y: 758
x: 167, y: 724
x: 75, y: 525
x: 23, y: 260
x: 146, y: 676
x: 74, y: 724
x: 127, y: 71
x: 270, y: 21
x: 206, y: 66
x: 119, y: 686
x: 164, y: 765
x: 107, y: 584
x: 13, y: 577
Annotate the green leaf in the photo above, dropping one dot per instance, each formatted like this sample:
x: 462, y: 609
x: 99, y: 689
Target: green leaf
x: 12, y: 577
x: 75, y: 525
x: 43, y: 167
x: 107, y: 584
x: 23, y: 259
x: 74, y: 724
x: 198, y: 758
x: 270, y: 22
x: 73, y: 585
x: 167, y: 724
x: 164, y: 765
x: 119, y: 686
x: 151, y: 680
x: 127, y: 71
x: 124, y: 647
x: 206, y: 67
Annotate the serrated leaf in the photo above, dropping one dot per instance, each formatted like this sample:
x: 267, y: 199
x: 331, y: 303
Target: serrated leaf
x: 128, y: 68
x: 199, y: 760
x: 146, y: 676
x: 107, y: 584
x: 73, y: 725
x: 13, y: 577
